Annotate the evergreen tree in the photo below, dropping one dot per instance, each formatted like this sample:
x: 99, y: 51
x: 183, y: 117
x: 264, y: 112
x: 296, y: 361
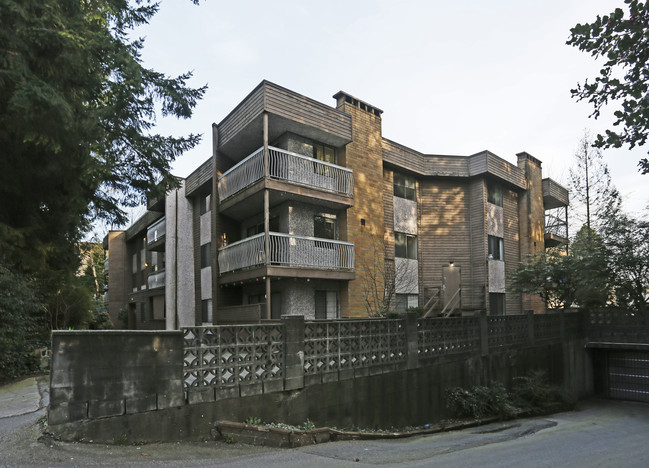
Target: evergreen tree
x: 77, y: 114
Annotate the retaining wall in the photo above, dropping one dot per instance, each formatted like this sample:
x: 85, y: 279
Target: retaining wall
x: 361, y: 373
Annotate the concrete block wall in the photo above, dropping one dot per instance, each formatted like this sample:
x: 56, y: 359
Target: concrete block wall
x: 98, y: 374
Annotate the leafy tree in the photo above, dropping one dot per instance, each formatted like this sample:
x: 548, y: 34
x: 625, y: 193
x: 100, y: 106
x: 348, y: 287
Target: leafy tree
x: 591, y: 187
x: 77, y: 114
x: 548, y: 274
x: 623, y: 41
x: 627, y: 240
x: 591, y: 275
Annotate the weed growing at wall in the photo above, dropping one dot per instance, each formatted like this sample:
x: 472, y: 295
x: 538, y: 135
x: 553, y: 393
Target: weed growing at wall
x: 531, y: 391
x: 480, y: 401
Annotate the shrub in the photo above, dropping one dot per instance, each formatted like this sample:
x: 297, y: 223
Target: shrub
x: 22, y: 325
x: 480, y: 401
x: 534, y: 390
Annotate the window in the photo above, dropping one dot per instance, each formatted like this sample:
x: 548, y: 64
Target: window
x: 142, y: 312
x: 324, y: 226
x: 496, y: 248
x: 495, y: 193
x: 257, y: 299
x: 326, y: 305
x: 324, y: 153
x: 206, y: 203
x: 496, y: 304
x: 405, y: 186
x: 206, y: 255
x: 404, y: 301
x: 405, y: 245
x: 206, y: 311
x: 273, y: 226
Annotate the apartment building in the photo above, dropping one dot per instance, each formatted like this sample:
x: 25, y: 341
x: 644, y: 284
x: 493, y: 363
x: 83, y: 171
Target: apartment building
x: 305, y: 208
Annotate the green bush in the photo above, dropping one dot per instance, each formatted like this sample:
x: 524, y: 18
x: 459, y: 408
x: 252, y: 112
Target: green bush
x: 534, y: 390
x: 480, y: 401
x: 100, y: 321
x: 22, y: 325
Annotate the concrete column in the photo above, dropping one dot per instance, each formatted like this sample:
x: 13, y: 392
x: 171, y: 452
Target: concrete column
x: 267, y: 216
x: 484, y: 333
x: 530, y: 326
x: 267, y: 249
x: 213, y: 214
x: 293, y: 351
x: 410, y: 319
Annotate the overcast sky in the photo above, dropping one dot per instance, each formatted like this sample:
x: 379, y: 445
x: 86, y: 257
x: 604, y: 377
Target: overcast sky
x: 451, y: 77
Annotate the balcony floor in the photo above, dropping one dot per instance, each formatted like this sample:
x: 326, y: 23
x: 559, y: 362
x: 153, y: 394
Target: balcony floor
x: 277, y: 271
x: 250, y: 201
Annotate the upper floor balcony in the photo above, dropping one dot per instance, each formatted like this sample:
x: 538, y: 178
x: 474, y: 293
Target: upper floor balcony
x: 555, y: 203
x: 293, y: 175
x: 290, y: 255
x: 155, y: 235
x: 156, y: 280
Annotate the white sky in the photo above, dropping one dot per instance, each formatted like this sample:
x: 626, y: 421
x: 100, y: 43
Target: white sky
x: 451, y: 77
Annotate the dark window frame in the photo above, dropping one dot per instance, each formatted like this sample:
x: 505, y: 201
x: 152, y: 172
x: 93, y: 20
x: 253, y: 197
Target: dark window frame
x: 497, y: 304
x: 496, y: 248
x: 321, y: 304
x: 495, y: 193
x: 405, y: 245
x: 404, y: 186
x: 206, y: 255
x: 205, y: 203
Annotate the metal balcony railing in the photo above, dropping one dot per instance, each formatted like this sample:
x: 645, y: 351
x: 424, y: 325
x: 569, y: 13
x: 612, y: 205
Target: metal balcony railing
x: 556, y: 225
x: 287, y: 250
x: 290, y: 167
x: 156, y: 231
x: 156, y: 280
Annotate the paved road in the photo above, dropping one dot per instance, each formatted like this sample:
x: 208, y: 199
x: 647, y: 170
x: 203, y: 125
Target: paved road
x: 598, y: 433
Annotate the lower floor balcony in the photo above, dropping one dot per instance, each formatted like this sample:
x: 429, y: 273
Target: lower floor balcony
x: 288, y: 254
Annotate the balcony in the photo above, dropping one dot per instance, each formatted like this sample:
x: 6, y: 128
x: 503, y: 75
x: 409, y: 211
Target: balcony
x: 292, y: 173
x: 155, y: 235
x: 156, y: 280
x: 289, y: 253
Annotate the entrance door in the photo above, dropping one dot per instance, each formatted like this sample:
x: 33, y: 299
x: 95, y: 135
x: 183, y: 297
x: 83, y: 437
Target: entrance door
x: 276, y: 305
x: 451, y: 296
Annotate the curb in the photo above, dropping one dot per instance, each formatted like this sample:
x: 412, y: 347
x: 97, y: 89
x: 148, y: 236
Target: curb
x: 229, y: 431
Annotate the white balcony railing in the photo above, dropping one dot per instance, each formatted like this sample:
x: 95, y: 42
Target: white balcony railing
x: 311, y: 172
x: 290, y: 167
x: 287, y: 250
x: 156, y: 231
x: 242, y: 175
x: 156, y: 280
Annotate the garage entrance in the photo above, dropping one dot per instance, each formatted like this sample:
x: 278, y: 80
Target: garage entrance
x: 621, y: 374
